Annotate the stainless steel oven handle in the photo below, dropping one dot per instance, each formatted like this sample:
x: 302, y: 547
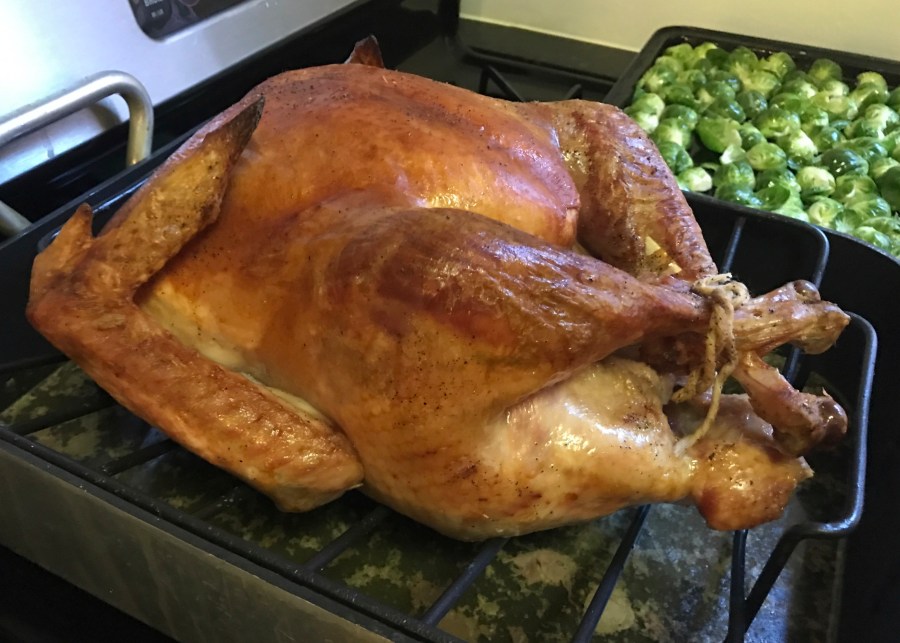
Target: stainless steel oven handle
x: 89, y: 91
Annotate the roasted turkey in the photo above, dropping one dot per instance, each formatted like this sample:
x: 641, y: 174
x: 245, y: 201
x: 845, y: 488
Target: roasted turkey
x: 493, y: 317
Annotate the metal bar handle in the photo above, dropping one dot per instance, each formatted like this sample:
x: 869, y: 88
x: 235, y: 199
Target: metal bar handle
x: 91, y: 90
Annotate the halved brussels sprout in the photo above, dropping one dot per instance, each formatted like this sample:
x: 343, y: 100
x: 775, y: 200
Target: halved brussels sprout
x: 718, y: 133
x: 695, y: 179
x: 657, y: 77
x: 889, y: 186
x: 840, y: 161
x: 645, y: 120
x: 784, y: 177
x: 879, y: 166
x: 670, y: 129
x: 799, y: 148
x: 762, y: 82
x: 834, y: 88
x: 778, y: 198
x: 854, y: 187
x: 685, y: 115
x: 838, y: 107
x: 766, y: 156
x: 750, y: 135
x: 675, y: 156
x: 801, y: 87
x: 812, y: 118
x: 752, y: 102
x: 868, y: 94
x: 779, y: 63
x: 863, y: 209
x: 868, y: 147
x: 678, y: 94
x: 649, y: 102
x: 737, y: 194
x: 825, y: 212
x: 823, y: 69
x: 825, y: 138
x: 726, y: 108
x: 739, y: 174
x: 814, y: 182
x: 776, y: 121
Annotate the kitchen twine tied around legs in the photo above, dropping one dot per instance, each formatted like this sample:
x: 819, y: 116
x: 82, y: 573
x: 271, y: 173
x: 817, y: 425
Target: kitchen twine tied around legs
x: 725, y: 294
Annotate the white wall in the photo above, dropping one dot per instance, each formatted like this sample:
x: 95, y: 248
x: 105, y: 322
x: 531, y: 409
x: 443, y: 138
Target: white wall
x: 861, y: 26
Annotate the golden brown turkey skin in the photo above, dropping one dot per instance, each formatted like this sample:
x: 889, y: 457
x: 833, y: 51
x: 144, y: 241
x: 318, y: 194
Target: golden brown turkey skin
x: 399, y: 253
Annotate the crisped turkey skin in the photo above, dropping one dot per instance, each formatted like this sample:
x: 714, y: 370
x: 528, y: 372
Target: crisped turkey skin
x: 399, y: 254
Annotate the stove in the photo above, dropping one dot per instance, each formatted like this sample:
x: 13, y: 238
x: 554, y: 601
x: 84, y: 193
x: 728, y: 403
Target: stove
x: 187, y: 552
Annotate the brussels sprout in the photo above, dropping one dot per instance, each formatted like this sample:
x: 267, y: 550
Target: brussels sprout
x: 716, y: 55
x: 737, y: 194
x: 739, y: 174
x: 838, y: 107
x: 889, y: 186
x: 750, y: 135
x: 783, y: 177
x: 791, y: 102
x: 726, y: 109
x: 657, y: 77
x: 799, y: 147
x: 797, y: 74
x: 801, y: 87
x: 669, y: 62
x: 741, y: 62
x: 862, y: 127
x: 685, y: 115
x: 871, y: 77
x: 879, y: 167
x: 778, y: 198
x: 825, y: 212
x: 776, y: 121
x: 824, y: 69
x: 678, y: 94
x: 868, y: 147
x: 882, y: 116
x: 649, y: 102
x: 854, y: 187
x: 840, y: 161
x: 763, y: 82
x: 673, y: 131
x: 752, y: 102
x: 646, y: 121
x: 868, y: 94
x: 683, y: 52
x: 893, y: 100
x: 834, y: 88
x: 778, y: 63
x: 813, y: 117
x: 862, y: 209
x: 714, y: 89
x: 693, y: 78
x: 727, y: 78
x: 695, y: 179
x: 718, y: 133
x: 675, y: 156
x: 874, y: 236
x: 825, y: 138
x: 766, y: 156
x: 814, y: 181
x: 732, y: 154
x: 891, y: 140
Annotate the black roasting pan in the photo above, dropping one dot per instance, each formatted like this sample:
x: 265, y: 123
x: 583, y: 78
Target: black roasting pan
x: 212, y: 561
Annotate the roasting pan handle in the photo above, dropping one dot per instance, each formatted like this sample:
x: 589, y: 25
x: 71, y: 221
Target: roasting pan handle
x: 89, y: 91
